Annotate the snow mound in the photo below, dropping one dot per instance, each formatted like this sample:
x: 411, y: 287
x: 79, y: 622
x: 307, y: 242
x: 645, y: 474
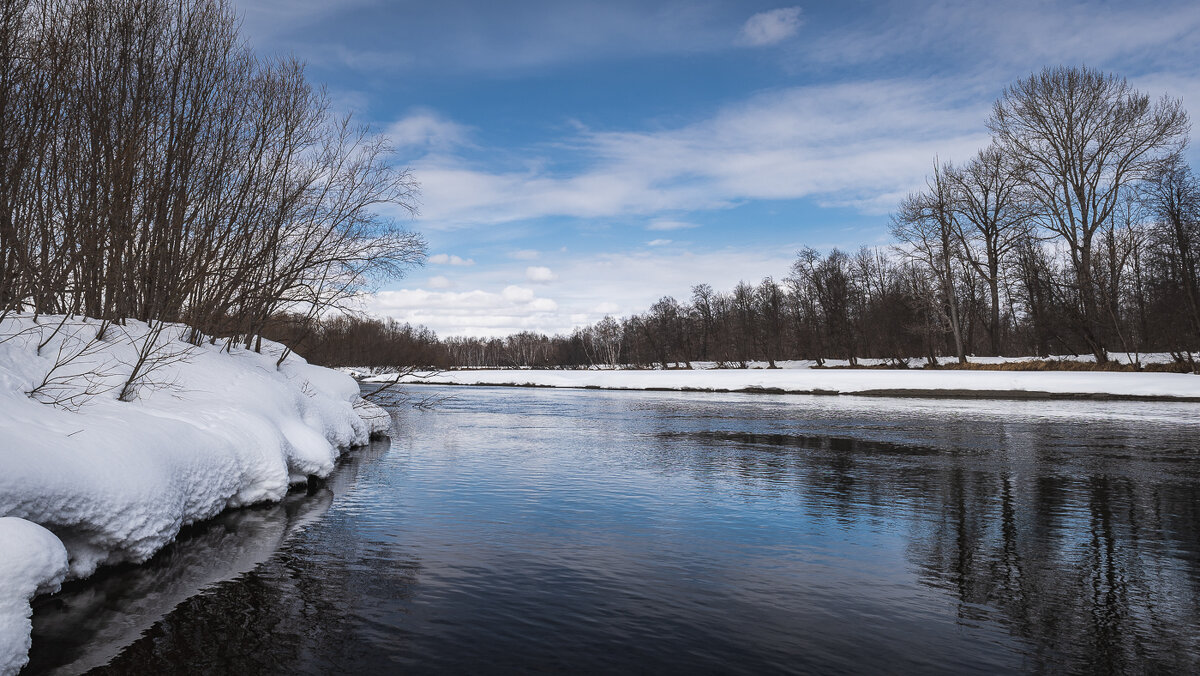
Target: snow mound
x: 114, y: 466
x: 34, y: 562
x: 377, y: 419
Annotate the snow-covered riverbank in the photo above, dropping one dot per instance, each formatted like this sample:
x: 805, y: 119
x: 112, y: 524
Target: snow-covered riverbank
x: 87, y: 479
x: 913, y: 382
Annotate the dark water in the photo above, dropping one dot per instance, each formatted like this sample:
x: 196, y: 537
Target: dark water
x: 577, y: 531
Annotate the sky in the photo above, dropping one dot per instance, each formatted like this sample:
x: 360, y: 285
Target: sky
x: 583, y: 159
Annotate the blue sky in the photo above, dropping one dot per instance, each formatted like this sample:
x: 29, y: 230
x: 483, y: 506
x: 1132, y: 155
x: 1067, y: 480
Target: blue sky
x: 578, y: 159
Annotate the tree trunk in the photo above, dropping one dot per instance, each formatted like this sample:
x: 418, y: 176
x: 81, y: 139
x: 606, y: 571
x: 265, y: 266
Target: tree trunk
x: 994, y: 328
x: 1087, y: 298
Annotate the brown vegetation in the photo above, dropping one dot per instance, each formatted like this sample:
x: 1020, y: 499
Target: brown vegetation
x: 155, y: 168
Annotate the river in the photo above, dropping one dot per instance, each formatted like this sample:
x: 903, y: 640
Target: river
x: 519, y: 530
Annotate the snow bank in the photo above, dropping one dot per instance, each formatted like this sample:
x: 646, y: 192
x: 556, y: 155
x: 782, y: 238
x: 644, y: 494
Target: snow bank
x: 843, y: 381
x: 378, y: 420
x: 203, y: 430
x: 34, y: 561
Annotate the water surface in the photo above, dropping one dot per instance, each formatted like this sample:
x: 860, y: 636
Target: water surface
x: 549, y: 530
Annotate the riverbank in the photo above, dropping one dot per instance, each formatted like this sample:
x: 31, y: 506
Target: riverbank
x: 89, y: 477
x: 859, y: 382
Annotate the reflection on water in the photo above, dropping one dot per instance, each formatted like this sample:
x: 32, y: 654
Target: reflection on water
x: 91, y: 621
x: 524, y: 530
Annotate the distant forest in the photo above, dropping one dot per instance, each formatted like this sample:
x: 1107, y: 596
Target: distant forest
x: 1077, y: 231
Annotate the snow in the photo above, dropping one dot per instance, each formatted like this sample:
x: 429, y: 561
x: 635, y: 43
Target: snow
x: 113, y: 481
x: 841, y: 381
x: 34, y: 561
x: 378, y: 420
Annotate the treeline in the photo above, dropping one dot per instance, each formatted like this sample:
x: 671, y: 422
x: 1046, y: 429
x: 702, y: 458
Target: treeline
x: 351, y: 340
x: 1077, y: 231
x: 155, y: 168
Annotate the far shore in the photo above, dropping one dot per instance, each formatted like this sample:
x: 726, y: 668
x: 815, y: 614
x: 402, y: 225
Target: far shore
x: 864, y: 382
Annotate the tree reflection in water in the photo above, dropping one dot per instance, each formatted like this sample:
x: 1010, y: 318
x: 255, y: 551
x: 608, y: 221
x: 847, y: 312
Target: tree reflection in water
x: 214, y: 572
x: 1088, y: 552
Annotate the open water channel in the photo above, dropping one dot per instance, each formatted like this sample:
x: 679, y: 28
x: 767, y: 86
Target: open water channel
x: 522, y: 530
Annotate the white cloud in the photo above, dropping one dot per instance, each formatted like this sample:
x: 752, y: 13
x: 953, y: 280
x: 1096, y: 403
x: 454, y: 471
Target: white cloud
x: 335, y: 55
x: 854, y: 143
x: 538, y: 273
x: 668, y: 224
x: 517, y: 294
x: 426, y: 128
x: 447, y: 259
x: 1027, y: 35
x: 768, y: 28
x: 472, y: 313
x: 525, y: 255
x: 658, y: 242
x: 589, y: 288
x: 543, y: 305
x: 439, y: 282
x: 847, y: 143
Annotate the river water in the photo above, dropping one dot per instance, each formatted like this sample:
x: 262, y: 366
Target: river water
x: 524, y: 530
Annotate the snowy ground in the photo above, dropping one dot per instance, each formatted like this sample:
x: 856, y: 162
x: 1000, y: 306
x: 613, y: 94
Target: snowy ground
x: 364, y: 372
x: 88, y: 480
x: 915, y: 382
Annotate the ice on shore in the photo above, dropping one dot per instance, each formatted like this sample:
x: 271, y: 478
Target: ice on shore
x: 103, y: 481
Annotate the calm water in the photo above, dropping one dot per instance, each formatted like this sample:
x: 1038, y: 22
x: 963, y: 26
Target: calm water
x: 540, y: 530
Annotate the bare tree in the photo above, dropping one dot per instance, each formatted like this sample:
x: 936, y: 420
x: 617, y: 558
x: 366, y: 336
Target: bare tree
x: 702, y: 307
x: 1084, y: 135
x: 926, y: 224
x: 154, y: 351
x: 770, y: 302
x: 1173, y: 196
x: 607, y: 336
x: 995, y: 217
x: 80, y: 368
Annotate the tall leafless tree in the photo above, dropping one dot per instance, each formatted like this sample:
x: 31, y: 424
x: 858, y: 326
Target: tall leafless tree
x: 995, y: 216
x: 926, y: 225
x: 1085, y: 135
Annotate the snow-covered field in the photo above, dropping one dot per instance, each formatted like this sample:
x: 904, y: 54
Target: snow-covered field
x: 87, y: 479
x: 841, y: 381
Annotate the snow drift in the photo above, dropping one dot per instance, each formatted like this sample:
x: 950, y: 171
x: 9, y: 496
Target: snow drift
x: 88, y: 479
